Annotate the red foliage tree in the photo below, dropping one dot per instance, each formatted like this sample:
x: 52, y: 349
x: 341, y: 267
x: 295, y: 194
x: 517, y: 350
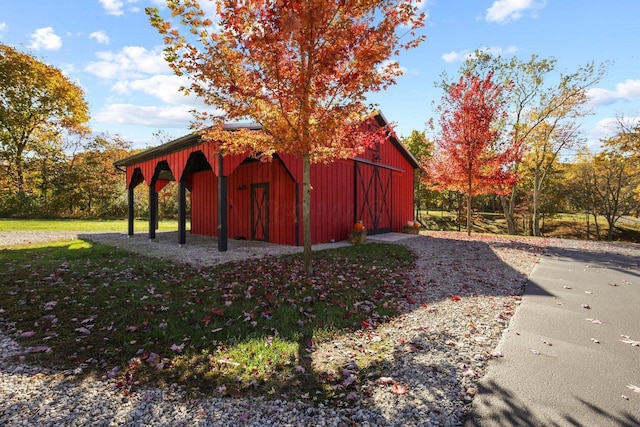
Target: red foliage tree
x: 470, y: 156
x: 299, y: 68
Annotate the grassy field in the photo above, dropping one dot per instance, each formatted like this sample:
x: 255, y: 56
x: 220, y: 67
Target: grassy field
x: 566, y: 226
x: 238, y: 329
x: 119, y: 225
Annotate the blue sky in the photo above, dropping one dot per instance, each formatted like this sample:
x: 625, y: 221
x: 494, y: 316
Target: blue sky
x: 110, y: 49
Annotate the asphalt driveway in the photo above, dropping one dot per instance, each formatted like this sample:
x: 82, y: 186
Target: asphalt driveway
x: 572, y: 350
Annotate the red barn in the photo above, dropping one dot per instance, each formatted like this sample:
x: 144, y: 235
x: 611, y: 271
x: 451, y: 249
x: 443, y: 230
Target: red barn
x: 244, y: 198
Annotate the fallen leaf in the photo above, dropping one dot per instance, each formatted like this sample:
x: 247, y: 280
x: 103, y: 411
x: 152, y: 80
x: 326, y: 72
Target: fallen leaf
x: 630, y: 341
x: 633, y: 388
x: 216, y: 311
x: 402, y: 389
x: 228, y: 362
x: 49, y: 305
x: 233, y: 392
x: 177, y: 348
x: 38, y: 349
x: 27, y: 334
x: 469, y: 373
x: 384, y: 381
x: 350, y: 379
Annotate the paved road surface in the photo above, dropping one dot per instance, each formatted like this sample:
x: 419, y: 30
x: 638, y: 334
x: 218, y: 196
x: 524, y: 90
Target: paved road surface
x: 561, y: 369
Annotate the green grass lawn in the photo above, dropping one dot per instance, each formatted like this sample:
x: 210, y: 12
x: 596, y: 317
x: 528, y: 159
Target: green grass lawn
x: 239, y: 328
x: 119, y: 225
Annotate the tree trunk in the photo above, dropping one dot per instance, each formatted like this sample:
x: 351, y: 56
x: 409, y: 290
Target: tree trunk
x: 306, y: 212
x: 469, y: 199
x: 19, y: 172
x: 469, y: 222
x: 611, y: 222
x: 509, y: 207
x: 459, y: 195
x: 588, y: 228
x: 535, y: 218
x: 595, y: 220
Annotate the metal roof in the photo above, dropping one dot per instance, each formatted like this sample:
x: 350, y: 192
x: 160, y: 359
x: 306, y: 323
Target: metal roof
x: 193, y: 140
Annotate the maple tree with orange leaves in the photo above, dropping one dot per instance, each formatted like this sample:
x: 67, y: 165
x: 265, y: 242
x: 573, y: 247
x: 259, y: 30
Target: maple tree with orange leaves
x: 470, y: 156
x: 299, y: 68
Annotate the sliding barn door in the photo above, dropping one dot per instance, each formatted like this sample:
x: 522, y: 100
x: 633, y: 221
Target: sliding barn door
x: 373, y: 197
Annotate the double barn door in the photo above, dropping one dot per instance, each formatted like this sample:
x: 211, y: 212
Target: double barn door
x: 260, y: 212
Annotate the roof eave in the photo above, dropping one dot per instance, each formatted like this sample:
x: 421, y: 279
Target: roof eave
x: 382, y: 121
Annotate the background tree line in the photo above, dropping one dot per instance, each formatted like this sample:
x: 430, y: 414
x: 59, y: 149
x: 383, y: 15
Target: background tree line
x: 527, y: 115
x: 51, y: 165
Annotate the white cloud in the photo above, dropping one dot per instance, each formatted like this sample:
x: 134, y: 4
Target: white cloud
x: 116, y: 7
x: 45, y: 38
x: 113, y: 7
x: 463, y: 55
x: 627, y: 90
x: 164, y: 87
x: 454, y: 56
x: 130, y: 62
x: 503, y: 11
x: 129, y: 114
x: 611, y: 125
x: 3, y: 27
x: 176, y: 116
x: 100, y: 36
x: 606, y: 128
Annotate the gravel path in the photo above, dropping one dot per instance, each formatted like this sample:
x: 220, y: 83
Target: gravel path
x: 467, y: 289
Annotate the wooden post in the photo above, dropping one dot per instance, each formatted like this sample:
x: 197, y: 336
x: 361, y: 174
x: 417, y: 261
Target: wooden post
x: 153, y: 209
x: 130, y: 209
x: 297, y: 211
x: 222, y: 207
x: 182, y: 213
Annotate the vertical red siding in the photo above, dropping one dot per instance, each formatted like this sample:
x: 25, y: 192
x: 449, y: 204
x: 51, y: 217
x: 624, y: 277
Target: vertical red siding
x: 332, y: 202
x: 204, y: 200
